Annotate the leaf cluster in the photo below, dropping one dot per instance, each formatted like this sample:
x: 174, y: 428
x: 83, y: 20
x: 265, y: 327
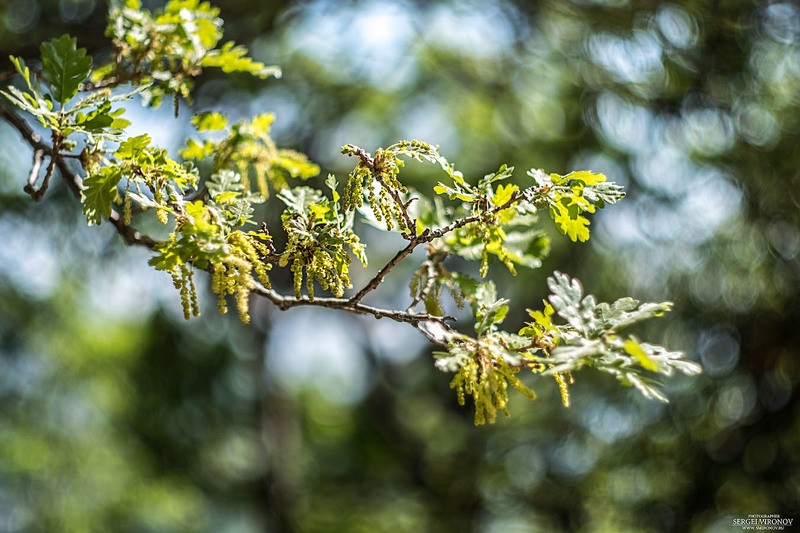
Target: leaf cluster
x: 591, y: 337
x: 569, y: 197
x: 317, y: 236
x: 501, y: 225
x: 250, y: 150
x: 152, y: 180
x: 207, y: 235
x: 486, y: 364
x: 164, y: 49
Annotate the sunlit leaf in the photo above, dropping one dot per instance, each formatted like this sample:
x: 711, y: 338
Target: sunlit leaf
x: 633, y: 348
x: 64, y: 66
x: 209, y: 121
x: 99, y: 192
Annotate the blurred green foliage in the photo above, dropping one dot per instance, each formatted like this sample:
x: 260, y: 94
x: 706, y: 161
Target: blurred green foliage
x: 150, y: 424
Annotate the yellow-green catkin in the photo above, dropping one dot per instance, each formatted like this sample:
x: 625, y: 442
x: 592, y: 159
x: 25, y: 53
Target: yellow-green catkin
x: 458, y: 384
x: 218, y: 286
x: 240, y: 284
x: 195, y: 304
x: 354, y: 189
x: 519, y: 385
x: 261, y: 177
x: 564, y: 379
x: 486, y: 238
x: 484, y: 262
x: 232, y: 276
x: 297, y: 270
x: 242, y: 304
x: 488, y: 386
x: 310, y: 284
x: 249, y: 248
x: 161, y: 211
x: 182, y: 280
x: 244, y: 173
x: 126, y: 205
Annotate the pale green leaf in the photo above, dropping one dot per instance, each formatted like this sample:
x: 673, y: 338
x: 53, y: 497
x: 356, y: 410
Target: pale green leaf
x: 232, y: 58
x: 209, y: 121
x: 503, y: 194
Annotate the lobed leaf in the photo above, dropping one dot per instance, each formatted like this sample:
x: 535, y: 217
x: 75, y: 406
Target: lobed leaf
x: 209, y: 121
x: 569, y: 197
x: 100, y: 190
x: 64, y: 66
x: 232, y: 58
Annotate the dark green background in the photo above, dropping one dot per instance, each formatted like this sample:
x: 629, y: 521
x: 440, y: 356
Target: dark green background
x: 117, y: 415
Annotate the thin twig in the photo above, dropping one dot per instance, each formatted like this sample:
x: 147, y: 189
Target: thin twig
x: 431, y: 265
x: 440, y: 232
x: 38, y: 154
x: 37, y: 194
x: 395, y: 195
x: 102, y: 84
x: 379, y: 277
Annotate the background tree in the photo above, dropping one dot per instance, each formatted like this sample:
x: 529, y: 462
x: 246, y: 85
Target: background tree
x: 692, y: 106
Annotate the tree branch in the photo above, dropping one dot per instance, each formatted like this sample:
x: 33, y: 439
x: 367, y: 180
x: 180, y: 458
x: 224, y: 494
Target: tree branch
x: 343, y: 304
x: 132, y: 237
x: 437, y: 233
x: 35, y: 193
x: 38, y: 155
x: 72, y: 179
x: 353, y: 305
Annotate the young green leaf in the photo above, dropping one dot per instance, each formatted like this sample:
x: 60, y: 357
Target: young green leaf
x: 64, y: 66
x: 503, y: 194
x: 131, y: 147
x: 585, y: 176
x: 99, y: 192
x: 209, y: 121
x: 569, y: 197
x: 232, y: 58
x: 568, y: 219
x: 632, y: 347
